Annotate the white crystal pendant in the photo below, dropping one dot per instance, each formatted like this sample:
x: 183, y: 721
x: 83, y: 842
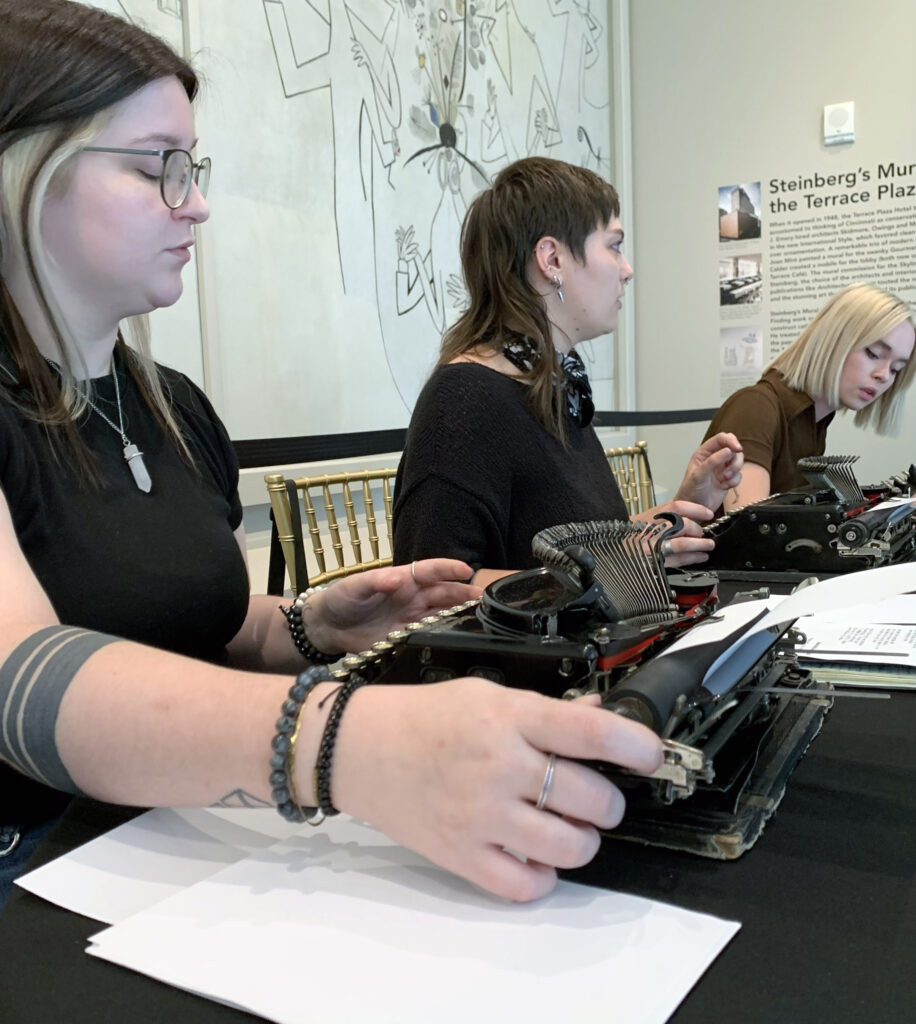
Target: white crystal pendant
x: 134, y: 459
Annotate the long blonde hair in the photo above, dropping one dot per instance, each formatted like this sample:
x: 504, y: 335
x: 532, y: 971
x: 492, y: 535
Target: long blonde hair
x: 854, y: 318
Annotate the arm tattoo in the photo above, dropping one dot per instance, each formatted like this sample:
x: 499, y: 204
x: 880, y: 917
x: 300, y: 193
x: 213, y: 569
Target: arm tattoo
x: 241, y: 798
x: 33, y: 681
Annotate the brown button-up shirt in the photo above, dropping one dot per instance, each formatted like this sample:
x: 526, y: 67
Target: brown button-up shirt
x: 775, y: 424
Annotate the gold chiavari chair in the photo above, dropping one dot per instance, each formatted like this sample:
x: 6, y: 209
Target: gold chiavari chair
x: 341, y: 523
x: 630, y: 466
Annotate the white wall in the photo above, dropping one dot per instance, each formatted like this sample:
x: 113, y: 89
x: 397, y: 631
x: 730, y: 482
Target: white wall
x: 331, y: 265
x: 723, y: 92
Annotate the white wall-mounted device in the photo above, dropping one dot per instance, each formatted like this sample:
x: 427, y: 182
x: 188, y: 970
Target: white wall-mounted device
x: 839, y: 123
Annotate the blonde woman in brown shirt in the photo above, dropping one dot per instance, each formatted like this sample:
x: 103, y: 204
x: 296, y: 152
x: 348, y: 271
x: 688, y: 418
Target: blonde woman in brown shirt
x: 856, y: 354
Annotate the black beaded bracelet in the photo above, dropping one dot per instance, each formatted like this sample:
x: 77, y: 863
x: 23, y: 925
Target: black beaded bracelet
x: 297, y: 630
x: 326, y: 749
x: 283, y: 749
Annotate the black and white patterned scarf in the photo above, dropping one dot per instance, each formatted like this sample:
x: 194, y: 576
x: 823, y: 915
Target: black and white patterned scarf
x: 573, y: 378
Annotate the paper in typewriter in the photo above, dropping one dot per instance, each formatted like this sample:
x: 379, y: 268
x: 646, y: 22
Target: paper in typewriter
x: 759, y: 617
x: 902, y: 507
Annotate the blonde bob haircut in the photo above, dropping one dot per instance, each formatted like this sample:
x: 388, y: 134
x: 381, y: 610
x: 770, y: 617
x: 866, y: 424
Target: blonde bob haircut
x: 856, y: 317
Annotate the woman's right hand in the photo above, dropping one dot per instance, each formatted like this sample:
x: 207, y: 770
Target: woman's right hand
x: 453, y: 770
x: 689, y: 546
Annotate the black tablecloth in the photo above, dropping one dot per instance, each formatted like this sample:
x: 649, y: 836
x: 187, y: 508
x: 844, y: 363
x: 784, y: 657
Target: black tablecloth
x: 827, y: 901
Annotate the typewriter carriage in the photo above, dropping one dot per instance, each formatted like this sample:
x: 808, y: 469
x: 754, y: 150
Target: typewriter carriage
x: 829, y: 527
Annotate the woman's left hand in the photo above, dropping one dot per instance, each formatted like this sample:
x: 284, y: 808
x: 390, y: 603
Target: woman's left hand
x: 713, y: 469
x: 358, y: 610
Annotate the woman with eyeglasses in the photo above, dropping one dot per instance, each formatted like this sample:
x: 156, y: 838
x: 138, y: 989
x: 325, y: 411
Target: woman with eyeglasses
x: 856, y: 354
x: 134, y: 666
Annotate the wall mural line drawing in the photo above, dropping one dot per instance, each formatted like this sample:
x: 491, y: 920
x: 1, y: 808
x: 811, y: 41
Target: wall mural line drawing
x: 428, y: 100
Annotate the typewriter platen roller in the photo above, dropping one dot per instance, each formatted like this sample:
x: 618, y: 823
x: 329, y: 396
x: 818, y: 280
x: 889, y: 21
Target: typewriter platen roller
x: 832, y: 526
x: 573, y: 628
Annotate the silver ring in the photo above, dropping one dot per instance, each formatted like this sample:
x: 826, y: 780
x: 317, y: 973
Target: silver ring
x: 666, y: 548
x: 545, y: 785
x: 413, y: 575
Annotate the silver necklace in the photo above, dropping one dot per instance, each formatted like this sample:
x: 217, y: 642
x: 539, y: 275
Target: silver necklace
x: 132, y: 454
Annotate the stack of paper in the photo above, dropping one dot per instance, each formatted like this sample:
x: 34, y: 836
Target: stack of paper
x: 865, y: 644
x: 342, y: 925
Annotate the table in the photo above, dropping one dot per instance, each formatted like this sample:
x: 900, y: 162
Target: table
x: 827, y: 900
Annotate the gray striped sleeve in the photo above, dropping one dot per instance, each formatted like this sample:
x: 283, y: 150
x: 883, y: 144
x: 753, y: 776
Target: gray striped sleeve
x: 33, y: 681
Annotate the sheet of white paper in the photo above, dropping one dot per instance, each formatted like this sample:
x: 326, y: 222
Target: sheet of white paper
x: 726, y: 620
x: 843, y: 591
x: 877, y: 644
x: 900, y: 609
x: 344, y: 926
x: 737, y: 659
x: 151, y: 857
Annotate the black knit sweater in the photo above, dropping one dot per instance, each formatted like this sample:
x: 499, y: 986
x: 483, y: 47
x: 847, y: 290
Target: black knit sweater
x: 480, y: 476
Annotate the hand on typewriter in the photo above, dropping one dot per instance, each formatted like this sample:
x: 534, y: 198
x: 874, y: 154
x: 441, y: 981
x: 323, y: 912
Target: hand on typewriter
x: 689, y: 546
x: 454, y: 770
x: 713, y: 468
x: 358, y: 610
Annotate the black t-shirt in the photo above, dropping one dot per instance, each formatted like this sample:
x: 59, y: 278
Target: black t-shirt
x: 480, y: 476
x: 161, y: 568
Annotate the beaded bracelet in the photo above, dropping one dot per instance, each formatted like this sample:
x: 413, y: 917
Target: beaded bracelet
x: 297, y: 629
x: 283, y: 747
x: 326, y: 749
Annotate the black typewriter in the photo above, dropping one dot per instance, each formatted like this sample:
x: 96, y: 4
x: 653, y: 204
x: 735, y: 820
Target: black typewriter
x: 828, y: 527
x: 600, y: 617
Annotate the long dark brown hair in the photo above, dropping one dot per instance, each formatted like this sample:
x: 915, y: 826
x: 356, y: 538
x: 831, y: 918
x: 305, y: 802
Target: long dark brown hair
x: 529, y: 199
x: 62, y: 66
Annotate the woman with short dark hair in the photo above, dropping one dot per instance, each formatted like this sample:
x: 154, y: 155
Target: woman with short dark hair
x: 500, y: 444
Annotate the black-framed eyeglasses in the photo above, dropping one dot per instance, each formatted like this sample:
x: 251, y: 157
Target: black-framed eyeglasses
x: 176, y: 175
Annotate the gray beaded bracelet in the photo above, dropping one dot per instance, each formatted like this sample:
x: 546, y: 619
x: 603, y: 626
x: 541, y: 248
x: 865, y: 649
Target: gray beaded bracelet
x: 283, y: 749
x: 297, y: 630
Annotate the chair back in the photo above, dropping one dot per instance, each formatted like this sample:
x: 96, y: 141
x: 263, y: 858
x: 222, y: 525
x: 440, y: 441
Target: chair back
x: 630, y: 466
x: 341, y: 513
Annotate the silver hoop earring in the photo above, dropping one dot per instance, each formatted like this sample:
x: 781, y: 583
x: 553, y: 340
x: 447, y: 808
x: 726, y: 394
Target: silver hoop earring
x: 559, y: 287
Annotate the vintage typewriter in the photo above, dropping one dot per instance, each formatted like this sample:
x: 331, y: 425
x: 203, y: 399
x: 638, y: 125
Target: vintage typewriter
x: 600, y: 617
x: 829, y: 527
